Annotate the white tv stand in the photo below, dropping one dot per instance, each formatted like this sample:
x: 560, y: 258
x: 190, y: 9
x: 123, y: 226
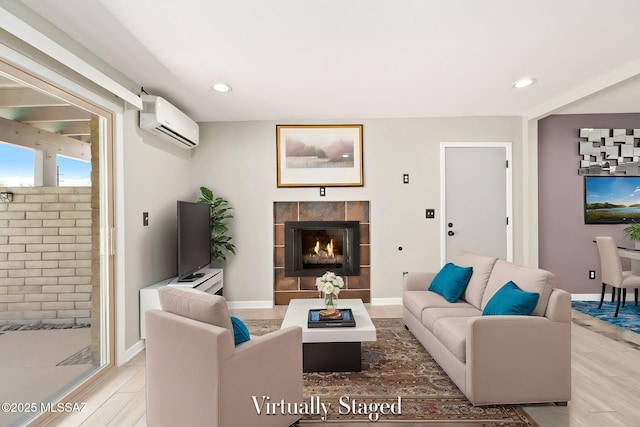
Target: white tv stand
x: 212, y: 282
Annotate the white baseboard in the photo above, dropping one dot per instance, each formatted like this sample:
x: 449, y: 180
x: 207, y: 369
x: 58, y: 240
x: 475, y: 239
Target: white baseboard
x: 269, y: 304
x: 386, y: 301
x: 130, y: 353
x: 249, y: 304
x: 585, y: 297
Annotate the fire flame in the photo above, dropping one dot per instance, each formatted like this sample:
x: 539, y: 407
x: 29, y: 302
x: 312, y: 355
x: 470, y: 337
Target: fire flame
x: 330, y: 249
x: 327, y: 252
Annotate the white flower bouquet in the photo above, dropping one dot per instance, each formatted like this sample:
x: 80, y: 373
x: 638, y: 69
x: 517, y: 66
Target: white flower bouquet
x: 330, y: 285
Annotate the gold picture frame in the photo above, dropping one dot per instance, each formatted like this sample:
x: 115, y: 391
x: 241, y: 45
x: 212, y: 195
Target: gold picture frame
x: 319, y: 155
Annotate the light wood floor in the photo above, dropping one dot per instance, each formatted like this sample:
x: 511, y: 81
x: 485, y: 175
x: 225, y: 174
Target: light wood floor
x: 605, y: 390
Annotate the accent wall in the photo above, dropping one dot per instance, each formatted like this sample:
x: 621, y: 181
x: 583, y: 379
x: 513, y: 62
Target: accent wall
x: 566, y: 245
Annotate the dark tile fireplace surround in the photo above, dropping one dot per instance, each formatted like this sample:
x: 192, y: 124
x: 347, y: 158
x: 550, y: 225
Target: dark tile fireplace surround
x: 342, y: 227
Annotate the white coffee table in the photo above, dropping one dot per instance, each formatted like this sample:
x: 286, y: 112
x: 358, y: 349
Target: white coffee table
x: 332, y: 349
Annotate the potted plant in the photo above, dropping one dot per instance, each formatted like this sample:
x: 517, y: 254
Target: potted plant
x: 220, y: 211
x: 633, y: 231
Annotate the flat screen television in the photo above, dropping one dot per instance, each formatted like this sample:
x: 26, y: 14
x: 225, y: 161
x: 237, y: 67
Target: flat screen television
x: 611, y: 199
x: 194, y: 239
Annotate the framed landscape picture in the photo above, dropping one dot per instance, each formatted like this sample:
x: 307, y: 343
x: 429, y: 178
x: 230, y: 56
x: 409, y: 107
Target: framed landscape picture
x: 319, y: 155
x: 610, y: 199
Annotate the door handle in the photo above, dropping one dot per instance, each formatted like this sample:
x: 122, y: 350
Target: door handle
x: 450, y: 233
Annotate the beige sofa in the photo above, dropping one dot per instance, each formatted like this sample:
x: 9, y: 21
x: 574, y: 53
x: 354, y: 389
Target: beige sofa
x: 197, y: 377
x: 503, y: 359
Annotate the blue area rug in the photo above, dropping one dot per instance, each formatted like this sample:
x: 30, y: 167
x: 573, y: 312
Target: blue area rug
x: 628, y: 317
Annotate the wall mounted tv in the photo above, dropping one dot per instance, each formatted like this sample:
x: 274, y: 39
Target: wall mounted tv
x: 194, y: 239
x: 611, y: 199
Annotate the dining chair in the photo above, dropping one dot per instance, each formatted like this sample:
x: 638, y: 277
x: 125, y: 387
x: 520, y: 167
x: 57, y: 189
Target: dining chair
x: 612, y: 273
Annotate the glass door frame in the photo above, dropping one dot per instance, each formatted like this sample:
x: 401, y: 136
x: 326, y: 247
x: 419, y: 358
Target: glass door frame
x: 110, y: 115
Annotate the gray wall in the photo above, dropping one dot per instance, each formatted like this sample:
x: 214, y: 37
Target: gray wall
x: 238, y: 161
x: 156, y: 175
x: 566, y: 245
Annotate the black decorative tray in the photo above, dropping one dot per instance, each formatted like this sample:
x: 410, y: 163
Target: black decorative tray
x: 316, y: 322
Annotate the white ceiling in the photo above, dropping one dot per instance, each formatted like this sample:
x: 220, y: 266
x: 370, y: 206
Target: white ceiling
x: 296, y: 60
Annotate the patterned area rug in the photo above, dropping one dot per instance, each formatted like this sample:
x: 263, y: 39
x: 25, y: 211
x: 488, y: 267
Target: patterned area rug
x: 397, y: 365
x: 628, y: 317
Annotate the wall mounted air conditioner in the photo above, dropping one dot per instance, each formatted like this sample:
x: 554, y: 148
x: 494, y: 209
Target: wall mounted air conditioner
x: 163, y: 119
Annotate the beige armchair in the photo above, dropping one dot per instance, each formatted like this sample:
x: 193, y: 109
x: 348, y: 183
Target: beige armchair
x: 197, y: 377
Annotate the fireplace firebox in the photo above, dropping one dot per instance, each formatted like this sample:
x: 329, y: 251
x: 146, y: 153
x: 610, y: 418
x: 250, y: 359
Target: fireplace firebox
x: 313, y: 247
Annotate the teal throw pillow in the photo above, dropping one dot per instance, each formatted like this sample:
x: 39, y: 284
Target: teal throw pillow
x: 511, y: 300
x: 451, y: 281
x: 240, y: 331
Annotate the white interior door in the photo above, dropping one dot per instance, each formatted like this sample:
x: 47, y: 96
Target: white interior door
x: 476, y: 199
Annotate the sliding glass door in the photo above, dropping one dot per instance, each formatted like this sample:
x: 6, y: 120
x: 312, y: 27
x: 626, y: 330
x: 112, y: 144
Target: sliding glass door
x: 56, y: 260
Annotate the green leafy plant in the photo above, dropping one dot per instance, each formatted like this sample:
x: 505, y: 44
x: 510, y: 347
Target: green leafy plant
x: 220, y: 211
x: 632, y: 231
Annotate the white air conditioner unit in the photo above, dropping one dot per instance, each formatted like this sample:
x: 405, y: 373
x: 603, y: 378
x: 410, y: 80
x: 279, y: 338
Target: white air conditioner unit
x: 163, y: 119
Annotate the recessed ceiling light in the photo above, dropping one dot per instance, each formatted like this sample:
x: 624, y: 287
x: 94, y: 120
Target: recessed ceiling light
x: 524, y: 82
x: 221, y: 87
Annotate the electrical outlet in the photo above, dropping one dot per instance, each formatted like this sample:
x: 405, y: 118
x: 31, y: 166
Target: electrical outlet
x: 592, y: 274
x: 323, y: 192
x: 430, y: 214
x: 405, y: 178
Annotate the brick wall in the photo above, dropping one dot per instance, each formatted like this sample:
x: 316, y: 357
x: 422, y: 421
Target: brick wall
x: 45, y: 256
